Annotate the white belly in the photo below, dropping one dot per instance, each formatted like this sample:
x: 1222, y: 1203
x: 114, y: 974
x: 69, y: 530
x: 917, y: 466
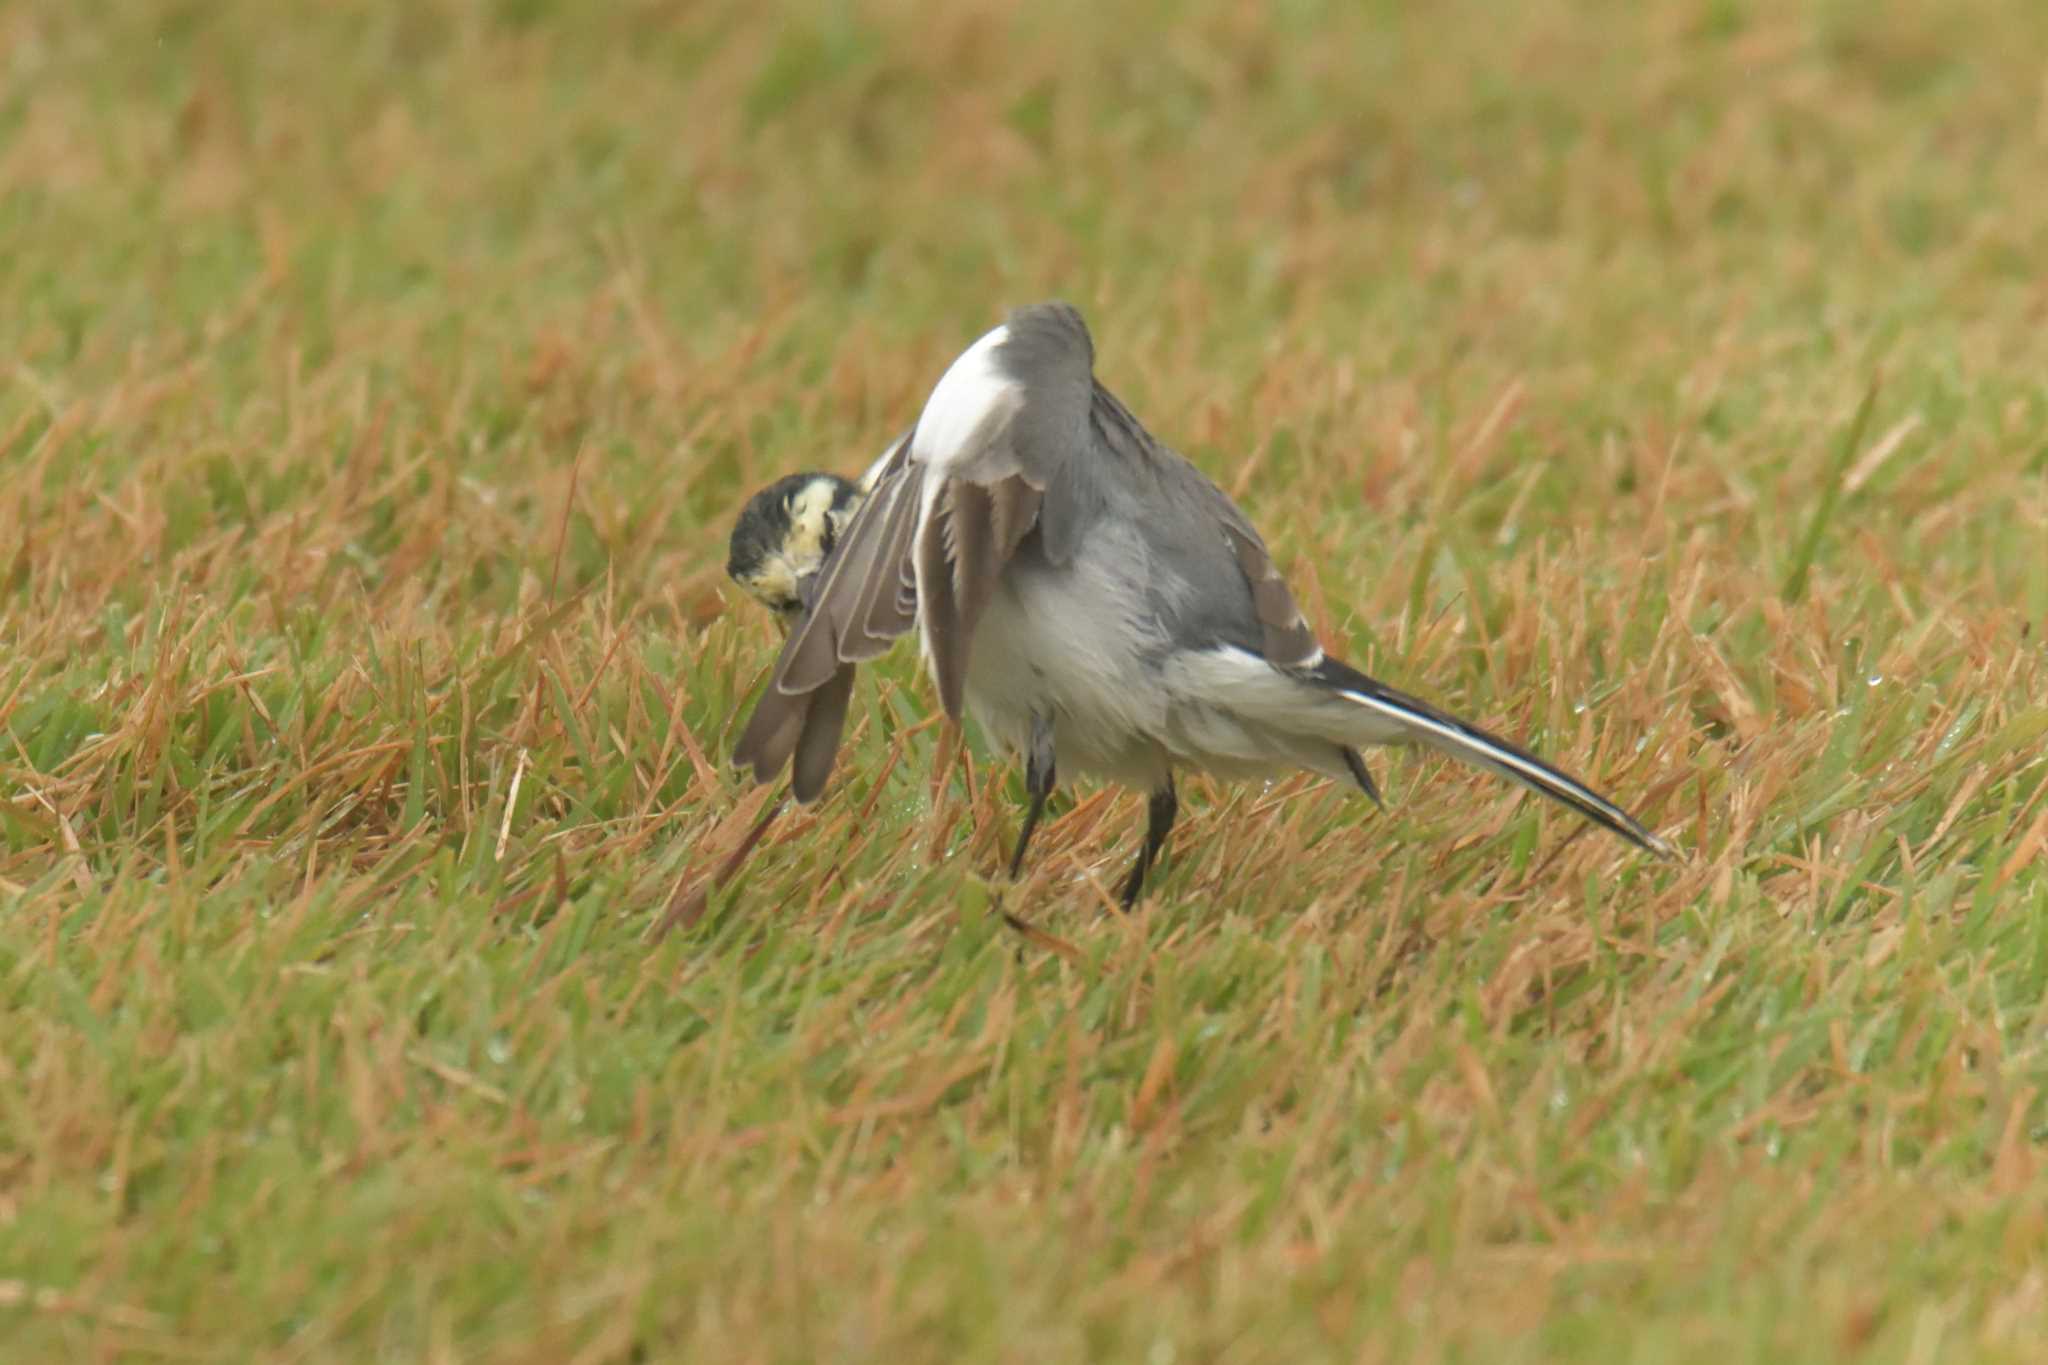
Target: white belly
x: 1034, y: 655
x: 1122, y: 705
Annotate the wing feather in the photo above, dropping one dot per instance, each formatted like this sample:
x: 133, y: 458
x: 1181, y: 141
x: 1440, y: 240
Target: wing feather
x: 966, y: 540
x: 816, y: 746
x: 877, y: 614
x: 837, y: 628
x: 1289, y: 643
x: 772, y: 732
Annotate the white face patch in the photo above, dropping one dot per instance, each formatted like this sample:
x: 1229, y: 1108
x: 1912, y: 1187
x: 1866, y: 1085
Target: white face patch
x: 810, y: 525
x: 972, y: 396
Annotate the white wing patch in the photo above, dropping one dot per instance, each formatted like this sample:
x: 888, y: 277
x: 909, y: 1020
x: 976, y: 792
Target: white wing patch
x: 973, y: 397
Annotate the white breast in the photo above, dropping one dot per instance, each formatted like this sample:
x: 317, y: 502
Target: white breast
x: 1038, y: 650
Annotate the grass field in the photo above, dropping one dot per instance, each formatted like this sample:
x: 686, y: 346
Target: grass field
x: 379, y: 385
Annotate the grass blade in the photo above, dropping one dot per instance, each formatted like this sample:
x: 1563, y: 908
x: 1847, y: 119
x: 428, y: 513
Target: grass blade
x: 1830, y: 494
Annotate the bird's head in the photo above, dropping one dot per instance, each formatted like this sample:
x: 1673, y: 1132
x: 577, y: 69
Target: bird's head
x: 783, y: 536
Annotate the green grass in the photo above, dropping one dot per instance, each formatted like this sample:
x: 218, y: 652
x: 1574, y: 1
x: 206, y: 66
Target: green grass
x: 377, y: 385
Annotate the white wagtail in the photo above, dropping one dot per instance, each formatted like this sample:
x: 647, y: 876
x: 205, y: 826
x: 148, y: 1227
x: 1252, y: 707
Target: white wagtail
x: 1098, y: 604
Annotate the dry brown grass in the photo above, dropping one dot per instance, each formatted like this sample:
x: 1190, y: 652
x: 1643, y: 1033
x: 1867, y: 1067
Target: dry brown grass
x: 380, y: 386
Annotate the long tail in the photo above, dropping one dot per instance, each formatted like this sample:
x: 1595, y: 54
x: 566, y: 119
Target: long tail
x: 1409, y: 718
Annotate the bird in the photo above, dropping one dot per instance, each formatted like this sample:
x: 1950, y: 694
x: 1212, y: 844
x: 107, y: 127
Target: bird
x: 1088, y: 595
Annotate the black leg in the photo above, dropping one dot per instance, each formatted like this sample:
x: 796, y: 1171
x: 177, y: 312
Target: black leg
x: 1038, y: 780
x: 1159, y: 813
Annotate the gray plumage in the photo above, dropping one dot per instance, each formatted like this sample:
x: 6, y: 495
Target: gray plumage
x: 1093, y: 600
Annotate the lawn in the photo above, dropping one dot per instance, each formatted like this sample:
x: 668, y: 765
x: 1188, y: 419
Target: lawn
x: 1663, y: 384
